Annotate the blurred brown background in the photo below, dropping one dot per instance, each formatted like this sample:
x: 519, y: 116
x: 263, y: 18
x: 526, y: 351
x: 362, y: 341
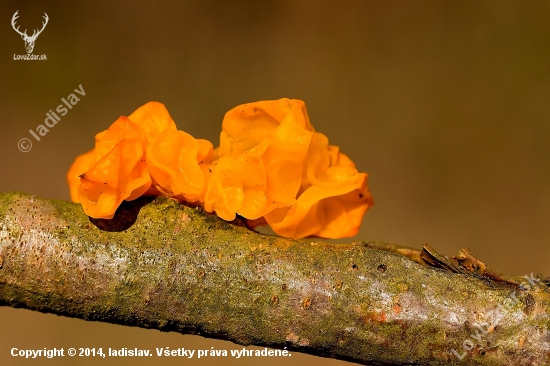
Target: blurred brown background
x: 444, y: 104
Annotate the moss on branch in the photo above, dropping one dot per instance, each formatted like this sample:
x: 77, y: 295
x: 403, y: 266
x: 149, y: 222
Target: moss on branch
x: 167, y: 266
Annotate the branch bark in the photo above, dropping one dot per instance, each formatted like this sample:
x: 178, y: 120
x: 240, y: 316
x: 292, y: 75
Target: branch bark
x: 163, y: 265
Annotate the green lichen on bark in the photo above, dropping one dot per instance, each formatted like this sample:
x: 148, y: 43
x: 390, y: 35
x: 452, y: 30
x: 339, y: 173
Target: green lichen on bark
x: 163, y: 265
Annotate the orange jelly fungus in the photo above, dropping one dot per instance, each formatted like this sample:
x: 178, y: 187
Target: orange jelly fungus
x: 117, y: 171
x: 271, y: 167
x: 260, y: 159
x: 176, y: 160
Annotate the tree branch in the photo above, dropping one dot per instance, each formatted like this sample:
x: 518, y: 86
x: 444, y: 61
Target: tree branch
x: 176, y: 268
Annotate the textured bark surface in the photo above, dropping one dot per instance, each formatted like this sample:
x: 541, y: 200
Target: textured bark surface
x: 163, y: 265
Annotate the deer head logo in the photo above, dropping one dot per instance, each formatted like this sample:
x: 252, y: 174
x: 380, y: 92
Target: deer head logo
x: 29, y: 41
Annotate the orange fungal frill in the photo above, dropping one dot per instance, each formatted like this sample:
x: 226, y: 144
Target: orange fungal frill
x: 80, y: 165
x: 153, y: 118
x: 333, y: 197
x: 271, y: 167
x: 174, y: 159
x: 260, y: 159
x: 118, y: 173
x: 115, y: 170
